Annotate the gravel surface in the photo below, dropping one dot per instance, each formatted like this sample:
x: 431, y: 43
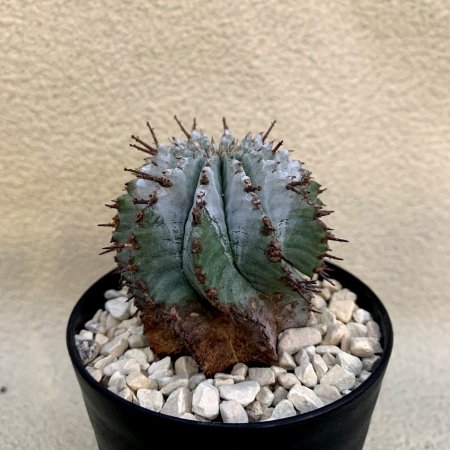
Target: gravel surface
x: 317, y: 364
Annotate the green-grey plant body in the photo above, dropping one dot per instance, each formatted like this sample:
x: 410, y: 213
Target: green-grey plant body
x: 219, y: 244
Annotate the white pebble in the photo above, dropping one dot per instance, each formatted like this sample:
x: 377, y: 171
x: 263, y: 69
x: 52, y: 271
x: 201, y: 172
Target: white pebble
x: 332, y: 349
x: 188, y: 416
x: 95, y: 373
x: 286, y: 361
x: 244, y: 392
x: 349, y: 362
x: 227, y: 376
x: 325, y: 293
x: 301, y: 358
x: 133, y: 308
x: 97, y: 315
x: 265, y: 396
x: 342, y: 308
x: 345, y: 343
x: 320, y: 366
x: 218, y: 382
x: 312, y: 321
x: 105, y: 361
x: 335, y: 333
x: 139, y: 356
x: 293, y: 339
x: 185, y: 366
x: 127, y: 394
x: 161, y: 368
x: 101, y: 339
x: 340, y: 378
x: 200, y: 418
x: 126, y: 366
x: 103, y: 317
x: 364, y: 347
x: 233, y: 412
x: 122, y: 331
x: 86, y: 334
x: 137, y: 380
x: 327, y: 393
x: 131, y: 323
x: 240, y: 370
x: 263, y: 375
x: 304, y: 399
x: 357, y: 329
x: 329, y: 360
x: 195, y: 380
x: 345, y: 294
x: 117, y: 380
x: 115, y: 347
x: 326, y: 317
x: 138, y: 341
x: 174, y: 385
x: 205, y: 401
x: 310, y: 351
x: 361, y: 316
x: 279, y: 393
x: 118, y: 308
x: 369, y: 363
x: 112, y: 293
x: 322, y: 328
x: 178, y: 403
x: 373, y: 330
x: 110, y: 333
x: 111, y: 323
x: 149, y: 352
x: 306, y: 375
x: 284, y: 409
x: 164, y: 381
x: 267, y: 413
x: 277, y: 370
x: 287, y: 380
x: 150, y: 399
x: 363, y: 375
x: 94, y: 326
x: 254, y: 411
x: 318, y: 301
x: 305, y: 371
x: 332, y: 285
x: 136, y: 329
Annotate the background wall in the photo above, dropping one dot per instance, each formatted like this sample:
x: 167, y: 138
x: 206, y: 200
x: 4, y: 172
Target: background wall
x: 360, y: 90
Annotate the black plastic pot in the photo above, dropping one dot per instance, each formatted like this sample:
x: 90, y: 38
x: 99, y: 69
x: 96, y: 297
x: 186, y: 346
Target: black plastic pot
x: 119, y: 424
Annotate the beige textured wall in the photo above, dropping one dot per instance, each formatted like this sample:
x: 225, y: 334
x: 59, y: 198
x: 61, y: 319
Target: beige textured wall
x: 360, y: 90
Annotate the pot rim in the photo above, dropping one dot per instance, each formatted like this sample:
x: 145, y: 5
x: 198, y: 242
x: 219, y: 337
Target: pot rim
x: 388, y: 339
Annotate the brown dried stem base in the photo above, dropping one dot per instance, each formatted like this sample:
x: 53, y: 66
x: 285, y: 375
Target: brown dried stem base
x: 216, y: 339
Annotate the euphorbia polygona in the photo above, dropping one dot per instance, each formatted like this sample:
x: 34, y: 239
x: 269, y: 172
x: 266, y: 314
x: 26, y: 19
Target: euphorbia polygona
x: 218, y: 245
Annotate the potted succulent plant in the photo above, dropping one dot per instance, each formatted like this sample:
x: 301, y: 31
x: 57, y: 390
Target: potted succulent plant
x: 222, y: 251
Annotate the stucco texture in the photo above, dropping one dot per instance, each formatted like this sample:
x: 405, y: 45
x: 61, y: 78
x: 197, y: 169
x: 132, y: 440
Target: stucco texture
x: 360, y: 90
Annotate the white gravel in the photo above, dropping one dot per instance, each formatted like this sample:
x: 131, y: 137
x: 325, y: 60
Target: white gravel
x: 317, y: 364
x: 327, y: 393
x: 206, y: 400
x: 304, y: 399
x: 283, y: 409
x: 244, y: 392
x: 233, y: 412
x: 178, y: 403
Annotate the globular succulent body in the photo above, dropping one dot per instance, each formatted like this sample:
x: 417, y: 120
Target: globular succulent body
x: 218, y: 245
